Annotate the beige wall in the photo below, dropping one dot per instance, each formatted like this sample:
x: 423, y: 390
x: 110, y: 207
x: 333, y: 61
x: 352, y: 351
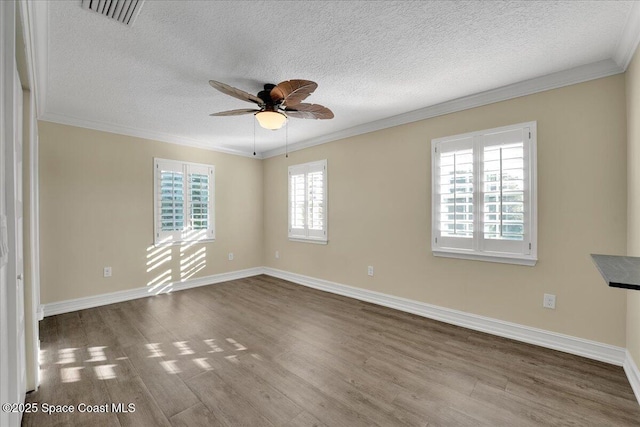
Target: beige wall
x: 380, y: 214
x: 96, y: 201
x: 96, y: 210
x: 633, y: 199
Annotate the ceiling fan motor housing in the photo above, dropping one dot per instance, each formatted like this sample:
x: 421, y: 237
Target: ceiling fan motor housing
x: 265, y: 95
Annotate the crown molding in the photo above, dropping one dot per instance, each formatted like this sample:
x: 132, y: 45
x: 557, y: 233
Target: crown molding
x: 569, y: 77
x: 141, y: 133
x: 629, y: 39
x: 37, y: 22
x: 22, y: 15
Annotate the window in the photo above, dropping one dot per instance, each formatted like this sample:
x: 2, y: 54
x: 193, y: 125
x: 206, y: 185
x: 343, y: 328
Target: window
x: 484, y: 195
x: 308, y: 202
x: 183, y: 202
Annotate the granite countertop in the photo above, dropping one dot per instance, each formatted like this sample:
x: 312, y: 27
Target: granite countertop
x: 619, y: 271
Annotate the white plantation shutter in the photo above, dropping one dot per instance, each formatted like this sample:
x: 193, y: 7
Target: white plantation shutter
x: 200, y: 198
x: 454, y: 213
x: 316, y: 215
x: 307, y: 201
x: 183, y: 202
x: 505, y: 182
x: 484, y: 195
x: 170, y: 201
x: 297, y: 196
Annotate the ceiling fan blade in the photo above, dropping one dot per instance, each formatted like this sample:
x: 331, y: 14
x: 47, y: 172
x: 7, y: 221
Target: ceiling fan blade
x: 310, y: 111
x: 235, y: 112
x: 236, y: 93
x: 292, y: 92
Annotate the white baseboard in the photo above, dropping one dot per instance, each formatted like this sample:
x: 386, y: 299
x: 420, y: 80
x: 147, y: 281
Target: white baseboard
x: 130, y: 294
x: 633, y: 374
x: 566, y: 343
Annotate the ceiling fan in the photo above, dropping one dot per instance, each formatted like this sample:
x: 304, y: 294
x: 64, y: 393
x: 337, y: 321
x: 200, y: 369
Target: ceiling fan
x: 276, y: 102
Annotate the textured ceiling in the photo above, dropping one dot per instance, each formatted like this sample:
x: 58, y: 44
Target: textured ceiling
x: 371, y: 60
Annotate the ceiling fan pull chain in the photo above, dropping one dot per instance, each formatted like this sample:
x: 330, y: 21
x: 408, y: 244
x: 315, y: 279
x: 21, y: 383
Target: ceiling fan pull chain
x: 254, y: 137
x: 286, y: 141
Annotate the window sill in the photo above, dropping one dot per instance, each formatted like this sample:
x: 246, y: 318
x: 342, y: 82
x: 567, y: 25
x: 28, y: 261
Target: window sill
x: 303, y: 240
x: 183, y: 243
x: 486, y: 257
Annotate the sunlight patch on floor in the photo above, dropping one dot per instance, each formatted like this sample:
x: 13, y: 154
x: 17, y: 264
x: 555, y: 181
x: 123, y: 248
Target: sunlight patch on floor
x: 170, y: 366
x: 233, y: 359
x: 238, y: 346
x: 105, y: 372
x: 183, y: 347
x: 202, y: 363
x: 214, y: 347
x: 154, y: 349
x: 66, y: 356
x: 70, y: 375
x: 97, y: 354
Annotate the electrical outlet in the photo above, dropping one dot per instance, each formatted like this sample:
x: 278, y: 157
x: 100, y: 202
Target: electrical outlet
x: 277, y: 254
x: 107, y: 272
x: 370, y: 270
x: 549, y: 301
x: 230, y: 256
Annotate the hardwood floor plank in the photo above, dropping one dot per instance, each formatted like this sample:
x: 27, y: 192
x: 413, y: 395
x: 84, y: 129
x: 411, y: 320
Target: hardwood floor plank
x: 265, y: 352
x: 75, y: 375
x: 326, y: 408
x: 196, y: 416
x: 305, y: 419
x: 359, y: 400
x: 273, y: 405
x: 524, y: 410
x: 350, y: 373
x: 224, y: 402
x: 133, y: 391
x: 435, y: 411
x: 159, y: 375
x: 104, y: 347
x: 157, y: 370
x: 406, y: 374
x: 572, y: 403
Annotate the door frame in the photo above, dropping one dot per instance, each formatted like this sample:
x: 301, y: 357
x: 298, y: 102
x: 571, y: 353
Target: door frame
x: 12, y: 307
x: 15, y: 218
x: 6, y: 26
x: 11, y: 386
x: 32, y: 19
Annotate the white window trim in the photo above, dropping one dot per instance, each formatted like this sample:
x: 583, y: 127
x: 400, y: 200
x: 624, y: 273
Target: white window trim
x: 307, y: 168
x: 475, y: 253
x: 210, y: 235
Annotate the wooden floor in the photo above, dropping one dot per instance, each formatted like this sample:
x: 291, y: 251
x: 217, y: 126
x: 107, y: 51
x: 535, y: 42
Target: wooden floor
x: 266, y: 352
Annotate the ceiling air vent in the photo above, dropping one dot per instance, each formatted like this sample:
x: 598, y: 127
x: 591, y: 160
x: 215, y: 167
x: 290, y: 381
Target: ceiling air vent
x: 124, y: 11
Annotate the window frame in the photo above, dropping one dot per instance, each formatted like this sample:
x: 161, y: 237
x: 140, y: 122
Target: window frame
x: 477, y: 247
x: 177, y: 237
x: 308, y: 235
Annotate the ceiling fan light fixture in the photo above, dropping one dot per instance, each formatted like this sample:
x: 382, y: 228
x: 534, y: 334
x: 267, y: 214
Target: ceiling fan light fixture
x: 271, y: 119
